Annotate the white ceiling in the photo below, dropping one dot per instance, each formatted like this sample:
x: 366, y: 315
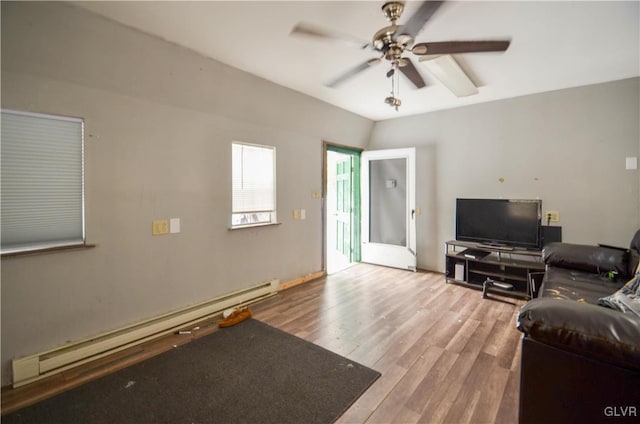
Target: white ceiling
x: 554, y: 45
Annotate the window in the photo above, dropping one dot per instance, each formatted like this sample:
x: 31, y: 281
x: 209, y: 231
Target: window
x: 253, y: 184
x: 42, y: 190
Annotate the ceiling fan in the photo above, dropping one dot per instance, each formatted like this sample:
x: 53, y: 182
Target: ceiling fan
x: 394, y: 41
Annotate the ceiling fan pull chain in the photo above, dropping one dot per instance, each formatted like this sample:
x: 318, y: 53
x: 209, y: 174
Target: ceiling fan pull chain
x: 393, y: 85
x: 396, y: 87
x: 393, y: 100
x: 397, y: 76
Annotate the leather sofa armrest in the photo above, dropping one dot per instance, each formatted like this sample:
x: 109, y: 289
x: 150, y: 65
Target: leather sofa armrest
x: 595, y: 259
x: 588, y: 330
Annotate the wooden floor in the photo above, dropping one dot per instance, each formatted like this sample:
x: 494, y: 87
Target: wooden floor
x: 445, y: 354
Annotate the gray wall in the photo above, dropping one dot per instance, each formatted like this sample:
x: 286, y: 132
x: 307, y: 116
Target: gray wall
x: 159, y: 122
x: 565, y: 147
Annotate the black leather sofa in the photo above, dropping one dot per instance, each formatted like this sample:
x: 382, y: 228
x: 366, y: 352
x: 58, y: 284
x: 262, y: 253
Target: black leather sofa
x: 581, y: 360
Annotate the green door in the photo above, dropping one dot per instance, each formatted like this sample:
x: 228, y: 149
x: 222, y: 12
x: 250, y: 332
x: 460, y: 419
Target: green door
x: 343, y: 206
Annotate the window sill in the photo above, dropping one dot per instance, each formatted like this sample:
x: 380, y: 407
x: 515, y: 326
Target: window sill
x: 46, y: 250
x: 243, y: 227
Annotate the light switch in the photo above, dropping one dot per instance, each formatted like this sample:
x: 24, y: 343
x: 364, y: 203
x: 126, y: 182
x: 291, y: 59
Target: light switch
x: 303, y: 214
x: 160, y: 227
x: 631, y: 163
x: 174, y: 225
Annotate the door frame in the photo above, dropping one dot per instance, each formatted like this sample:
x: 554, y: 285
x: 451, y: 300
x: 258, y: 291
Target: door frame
x: 326, y: 145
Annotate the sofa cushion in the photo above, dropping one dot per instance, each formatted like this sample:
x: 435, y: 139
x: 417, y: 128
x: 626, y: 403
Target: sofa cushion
x: 627, y: 299
x: 588, y: 330
x: 579, y: 286
x: 593, y: 259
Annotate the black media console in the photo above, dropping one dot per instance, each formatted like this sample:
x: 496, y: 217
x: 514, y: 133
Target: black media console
x: 513, y: 272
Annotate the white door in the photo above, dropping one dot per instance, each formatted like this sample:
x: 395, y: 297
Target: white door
x: 388, y: 208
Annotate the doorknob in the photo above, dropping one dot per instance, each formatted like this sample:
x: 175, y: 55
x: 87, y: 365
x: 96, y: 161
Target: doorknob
x: 413, y: 213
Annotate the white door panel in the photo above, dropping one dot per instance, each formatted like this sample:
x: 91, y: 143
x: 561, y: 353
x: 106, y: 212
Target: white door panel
x: 388, y: 205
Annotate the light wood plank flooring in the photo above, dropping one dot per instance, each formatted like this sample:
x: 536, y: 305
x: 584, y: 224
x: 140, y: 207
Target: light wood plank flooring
x: 445, y: 354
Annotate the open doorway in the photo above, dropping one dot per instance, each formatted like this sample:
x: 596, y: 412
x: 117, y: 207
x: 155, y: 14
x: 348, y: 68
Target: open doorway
x: 342, y: 207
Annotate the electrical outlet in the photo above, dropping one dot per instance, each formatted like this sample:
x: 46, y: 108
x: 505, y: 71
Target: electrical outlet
x: 160, y: 227
x: 552, y: 216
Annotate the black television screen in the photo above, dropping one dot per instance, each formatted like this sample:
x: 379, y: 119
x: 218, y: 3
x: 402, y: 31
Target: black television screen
x: 514, y: 223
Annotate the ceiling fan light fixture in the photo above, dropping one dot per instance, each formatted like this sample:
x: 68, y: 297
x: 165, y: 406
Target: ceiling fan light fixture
x: 450, y: 74
x: 393, y: 102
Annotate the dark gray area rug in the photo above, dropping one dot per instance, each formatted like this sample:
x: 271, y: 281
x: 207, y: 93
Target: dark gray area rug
x: 248, y: 373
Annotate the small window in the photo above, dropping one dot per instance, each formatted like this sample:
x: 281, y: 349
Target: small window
x: 253, y: 184
x: 42, y: 191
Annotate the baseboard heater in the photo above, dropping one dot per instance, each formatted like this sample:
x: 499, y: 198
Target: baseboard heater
x: 31, y: 368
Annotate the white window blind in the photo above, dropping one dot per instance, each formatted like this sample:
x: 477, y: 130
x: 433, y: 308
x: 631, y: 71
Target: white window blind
x: 42, y: 181
x: 253, y: 184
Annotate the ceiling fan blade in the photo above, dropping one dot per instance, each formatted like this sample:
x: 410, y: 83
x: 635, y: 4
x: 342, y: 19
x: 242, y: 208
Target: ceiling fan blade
x: 307, y: 30
x: 352, y: 72
x: 415, y: 23
x: 452, y: 47
x: 410, y: 71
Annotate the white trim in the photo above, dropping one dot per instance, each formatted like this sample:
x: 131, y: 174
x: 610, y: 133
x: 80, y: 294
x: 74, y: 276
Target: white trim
x: 43, y: 115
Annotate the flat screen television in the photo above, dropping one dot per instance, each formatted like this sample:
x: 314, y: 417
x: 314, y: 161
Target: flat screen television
x: 500, y: 222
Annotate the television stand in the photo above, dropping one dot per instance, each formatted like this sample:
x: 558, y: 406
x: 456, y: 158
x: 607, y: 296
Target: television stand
x: 490, y: 283
x: 510, y: 271
x: 498, y: 247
